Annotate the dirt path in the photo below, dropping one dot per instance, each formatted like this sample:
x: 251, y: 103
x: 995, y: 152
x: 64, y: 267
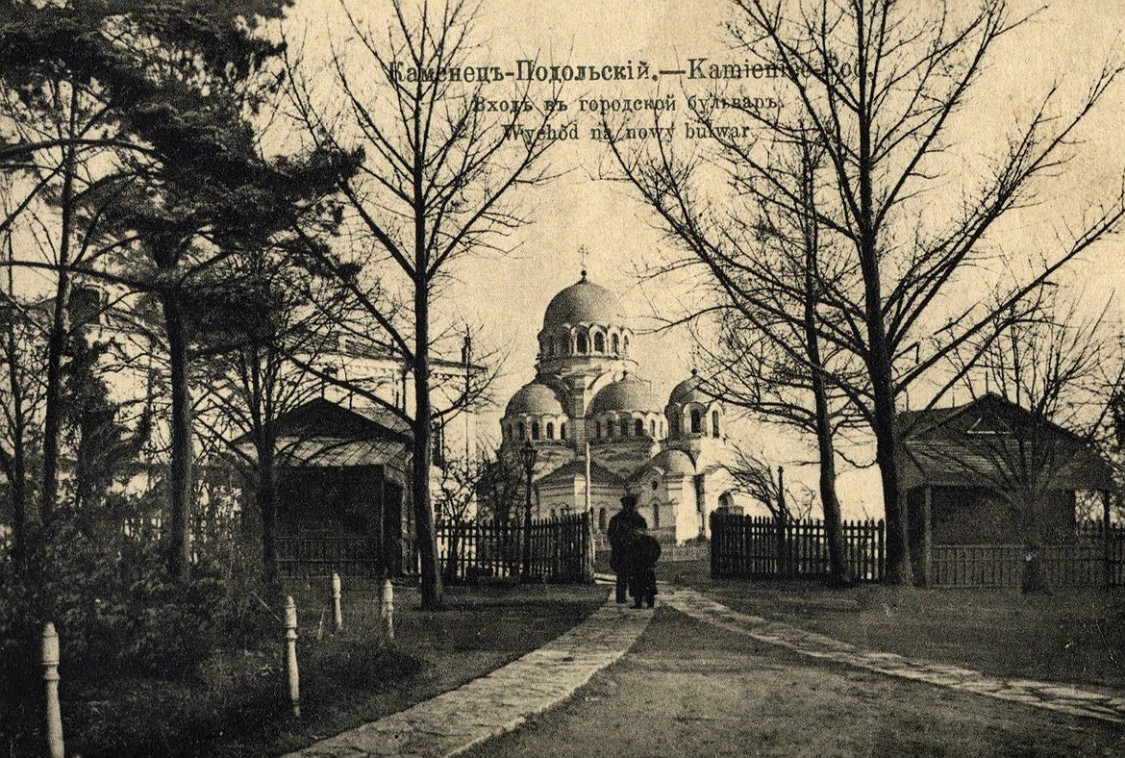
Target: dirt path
x: 691, y: 689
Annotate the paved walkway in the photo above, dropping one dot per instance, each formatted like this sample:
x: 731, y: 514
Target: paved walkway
x: 1053, y: 697
x: 502, y: 700
x: 499, y: 702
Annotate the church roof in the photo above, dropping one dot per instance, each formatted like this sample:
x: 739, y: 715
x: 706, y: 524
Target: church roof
x: 568, y: 471
x: 582, y: 303
x: 534, y: 398
x: 629, y: 394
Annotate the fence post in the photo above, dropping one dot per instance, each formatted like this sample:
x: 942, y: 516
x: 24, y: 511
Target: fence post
x: 387, y: 610
x: 1106, y: 561
x: 880, y: 549
x: 291, y: 655
x: 716, y: 543
x: 927, y: 535
x: 588, y: 547
x: 55, y: 747
x: 337, y: 611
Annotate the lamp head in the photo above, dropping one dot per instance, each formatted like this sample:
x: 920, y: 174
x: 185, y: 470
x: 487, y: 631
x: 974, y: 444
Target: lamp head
x: 527, y: 456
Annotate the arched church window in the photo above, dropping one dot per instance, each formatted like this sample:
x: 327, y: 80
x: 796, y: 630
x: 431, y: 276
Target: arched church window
x: 550, y: 431
x: 714, y: 423
x: 599, y: 343
x: 625, y: 344
x: 624, y: 427
x: 639, y: 428
x: 521, y: 430
x: 562, y: 431
x: 615, y: 344
x: 601, y: 520
x: 696, y: 421
x: 652, y: 428
x: 609, y: 428
x: 534, y: 430
x: 581, y: 342
x: 655, y: 515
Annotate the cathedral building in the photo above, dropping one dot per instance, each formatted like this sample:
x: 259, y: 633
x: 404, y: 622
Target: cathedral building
x: 600, y: 431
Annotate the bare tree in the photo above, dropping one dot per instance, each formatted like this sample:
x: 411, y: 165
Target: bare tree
x: 437, y: 183
x: 874, y: 85
x: 1051, y: 366
x: 22, y: 392
x: 771, y: 273
x: 257, y: 331
x: 755, y: 476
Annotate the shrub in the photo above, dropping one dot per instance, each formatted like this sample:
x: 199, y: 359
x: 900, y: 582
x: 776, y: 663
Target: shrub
x: 116, y: 611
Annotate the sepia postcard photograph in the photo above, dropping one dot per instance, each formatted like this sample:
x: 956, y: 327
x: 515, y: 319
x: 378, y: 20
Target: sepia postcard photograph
x: 563, y: 378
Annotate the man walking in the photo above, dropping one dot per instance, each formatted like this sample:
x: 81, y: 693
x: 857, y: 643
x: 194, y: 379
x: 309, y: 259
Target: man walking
x: 622, y: 529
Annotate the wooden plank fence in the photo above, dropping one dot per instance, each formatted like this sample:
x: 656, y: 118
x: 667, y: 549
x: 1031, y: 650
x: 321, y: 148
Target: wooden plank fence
x: 1091, y: 558
x: 472, y: 551
x: 322, y: 556
x: 760, y: 546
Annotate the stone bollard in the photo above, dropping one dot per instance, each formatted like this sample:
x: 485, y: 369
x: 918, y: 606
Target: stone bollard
x: 387, y: 610
x: 291, y: 655
x: 337, y: 612
x: 55, y: 747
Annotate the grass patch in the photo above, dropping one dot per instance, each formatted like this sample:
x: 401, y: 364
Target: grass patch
x: 237, y: 705
x: 1072, y: 635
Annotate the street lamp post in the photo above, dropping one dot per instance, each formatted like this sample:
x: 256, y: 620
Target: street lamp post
x: 527, y: 457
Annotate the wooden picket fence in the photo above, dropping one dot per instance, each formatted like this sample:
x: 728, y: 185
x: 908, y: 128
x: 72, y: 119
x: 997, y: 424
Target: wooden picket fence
x: 1092, y: 558
x: 751, y: 547
x: 472, y: 551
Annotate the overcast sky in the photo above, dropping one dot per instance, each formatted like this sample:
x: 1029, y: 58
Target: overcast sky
x: 1066, y: 44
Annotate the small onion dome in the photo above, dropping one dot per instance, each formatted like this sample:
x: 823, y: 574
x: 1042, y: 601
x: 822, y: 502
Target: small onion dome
x: 674, y: 462
x: 629, y: 394
x: 535, y: 399
x: 688, y: 391
x: 582, y: 303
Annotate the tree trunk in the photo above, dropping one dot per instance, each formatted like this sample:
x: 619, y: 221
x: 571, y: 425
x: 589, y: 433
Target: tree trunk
x: 423, y: 454
x: 56, y: 341
x: 838, y: 575
x: 180, y: 473
x: 826, y: 452
x: 1033, y: 579
x: 18, y: 467
x: 267, y: 508
x: 899, y: 570
x: 879, y: 366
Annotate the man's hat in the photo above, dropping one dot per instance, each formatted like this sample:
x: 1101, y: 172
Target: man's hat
x: 629, y: 501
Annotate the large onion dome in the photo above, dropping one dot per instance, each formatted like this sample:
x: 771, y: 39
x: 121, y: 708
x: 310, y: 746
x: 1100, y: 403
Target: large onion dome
x: 582, y: 303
